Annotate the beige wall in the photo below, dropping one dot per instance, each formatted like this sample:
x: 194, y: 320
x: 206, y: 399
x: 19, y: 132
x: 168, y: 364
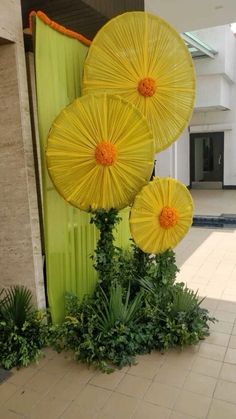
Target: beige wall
x: 20, y: 244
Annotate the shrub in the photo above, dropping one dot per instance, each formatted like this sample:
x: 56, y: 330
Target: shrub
x: 179, y: 320
x: 103, y: 331
x: 23, y: 330
x: 134, y: 315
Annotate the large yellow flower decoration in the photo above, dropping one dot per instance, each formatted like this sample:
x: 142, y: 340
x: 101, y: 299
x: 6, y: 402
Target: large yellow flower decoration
x: 161, y: 215
x: 142, y: 58
x: 100, y: 152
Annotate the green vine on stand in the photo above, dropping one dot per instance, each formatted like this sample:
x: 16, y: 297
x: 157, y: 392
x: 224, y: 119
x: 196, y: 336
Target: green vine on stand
x: 105, y: 221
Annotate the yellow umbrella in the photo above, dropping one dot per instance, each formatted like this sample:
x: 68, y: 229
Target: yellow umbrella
x: 161, y: 215
x: 100, y: 152
x: 142, y: 58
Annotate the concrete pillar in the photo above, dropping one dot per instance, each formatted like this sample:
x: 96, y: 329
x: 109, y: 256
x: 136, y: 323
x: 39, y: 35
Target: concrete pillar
x: 20, y: 242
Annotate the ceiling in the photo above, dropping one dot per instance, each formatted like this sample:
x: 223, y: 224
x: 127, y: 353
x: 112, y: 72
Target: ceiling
x: 188, y: 15
x: 88, y: 16
x: 85, y: 17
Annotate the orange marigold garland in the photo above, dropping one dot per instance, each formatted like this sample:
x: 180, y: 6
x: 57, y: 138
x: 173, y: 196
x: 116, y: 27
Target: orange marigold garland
x: 57, y: 27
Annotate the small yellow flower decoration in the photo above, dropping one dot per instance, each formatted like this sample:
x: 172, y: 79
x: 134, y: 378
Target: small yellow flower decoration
x: 142, y: 58
x: 161, y: 215
x: 100, y: 152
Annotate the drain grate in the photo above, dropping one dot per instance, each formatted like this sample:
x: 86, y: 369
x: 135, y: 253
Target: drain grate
x: 4, y: 375
x: 215, y: 221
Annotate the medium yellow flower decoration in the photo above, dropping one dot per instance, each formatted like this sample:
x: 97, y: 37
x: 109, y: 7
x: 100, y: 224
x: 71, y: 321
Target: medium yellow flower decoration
x: 100, y: 152
x: 161, y: 215
x: 142, y: 58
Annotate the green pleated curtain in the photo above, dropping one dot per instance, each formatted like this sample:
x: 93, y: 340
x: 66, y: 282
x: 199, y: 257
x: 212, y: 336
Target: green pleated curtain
x: 69, y: 237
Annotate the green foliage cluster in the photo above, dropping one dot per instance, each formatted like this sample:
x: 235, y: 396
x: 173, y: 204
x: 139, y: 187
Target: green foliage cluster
x: 136, y: 307
x: 23, y: 330
x: 105, y: 252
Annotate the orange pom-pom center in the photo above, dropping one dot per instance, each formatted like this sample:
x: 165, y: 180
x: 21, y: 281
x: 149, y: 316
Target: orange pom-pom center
x: 147, y: 86
x: 168, y: 217
x: 105, y: 153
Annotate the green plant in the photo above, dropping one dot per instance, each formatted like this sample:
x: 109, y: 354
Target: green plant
x: 185, y: 300
x: 178, y: 321
x: 138, y: 309
x: 114, y: 310
x: 105, y: 222
x: 16, y: 305
x: 104, y: 341
x: 23, y: 330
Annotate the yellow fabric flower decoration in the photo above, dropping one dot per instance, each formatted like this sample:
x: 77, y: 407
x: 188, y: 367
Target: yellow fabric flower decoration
x: 142, y: 58
x: 161, y: 215
x: 100, y: 152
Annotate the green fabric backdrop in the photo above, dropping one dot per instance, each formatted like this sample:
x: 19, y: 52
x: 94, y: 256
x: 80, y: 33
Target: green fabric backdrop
x: 69, y: 238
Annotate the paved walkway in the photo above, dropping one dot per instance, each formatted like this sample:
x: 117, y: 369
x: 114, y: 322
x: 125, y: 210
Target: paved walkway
x: 199, y: 382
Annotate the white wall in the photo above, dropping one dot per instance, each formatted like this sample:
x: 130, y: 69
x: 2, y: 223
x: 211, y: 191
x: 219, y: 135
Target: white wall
x: 221, y: 39
x: 218, y: 74
x: 215, y: 76
x: 174, y: 161
x: 212, y: 92
x: 215, y: 87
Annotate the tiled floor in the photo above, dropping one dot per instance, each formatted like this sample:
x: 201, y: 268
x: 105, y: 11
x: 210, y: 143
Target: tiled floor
x: 199, y: 382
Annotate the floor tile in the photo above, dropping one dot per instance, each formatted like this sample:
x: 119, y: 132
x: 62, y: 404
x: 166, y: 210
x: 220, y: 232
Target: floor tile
x: 49, y: 408
x: 62, y: 363
x: 234, y: 330
x: 42, y: 381
x: 66, y: 389
x: 217, y: 338
x: 200, y: 384
x: 226, y: 305
x: 207, y: 367
x: 222, y: 410
x: 149, y: 411
x: 162, y: 394
x: 228, y: 372
x: 145, y: 369
x: 215, y: 352
x: 210, y: 303
x: 21, y: 376
x: 133, y: 386
x: 230, y: 356
x: 7, y: 414
x: 23, y: 401
x: 74, y: 411
x: 225, y: 316
x: 232, y: 342
x: 92, y: 397
x: 81, y: 373
x: 6, y: 391
x: 108, y: 381
x: 171, y: 375
x: 118, y: 406
x: 177, y: 415
x: 226, y: 391
x: 221, y: 326
x: 183, y: 359
x: 192, y: 404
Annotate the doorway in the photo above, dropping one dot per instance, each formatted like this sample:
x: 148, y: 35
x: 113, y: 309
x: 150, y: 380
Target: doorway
x: 206, y: 160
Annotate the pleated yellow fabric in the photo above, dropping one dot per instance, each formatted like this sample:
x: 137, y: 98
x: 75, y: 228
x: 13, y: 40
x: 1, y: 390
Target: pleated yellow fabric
x: 161, y: 215
x: 142, y: 58
x: 100, y: 152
